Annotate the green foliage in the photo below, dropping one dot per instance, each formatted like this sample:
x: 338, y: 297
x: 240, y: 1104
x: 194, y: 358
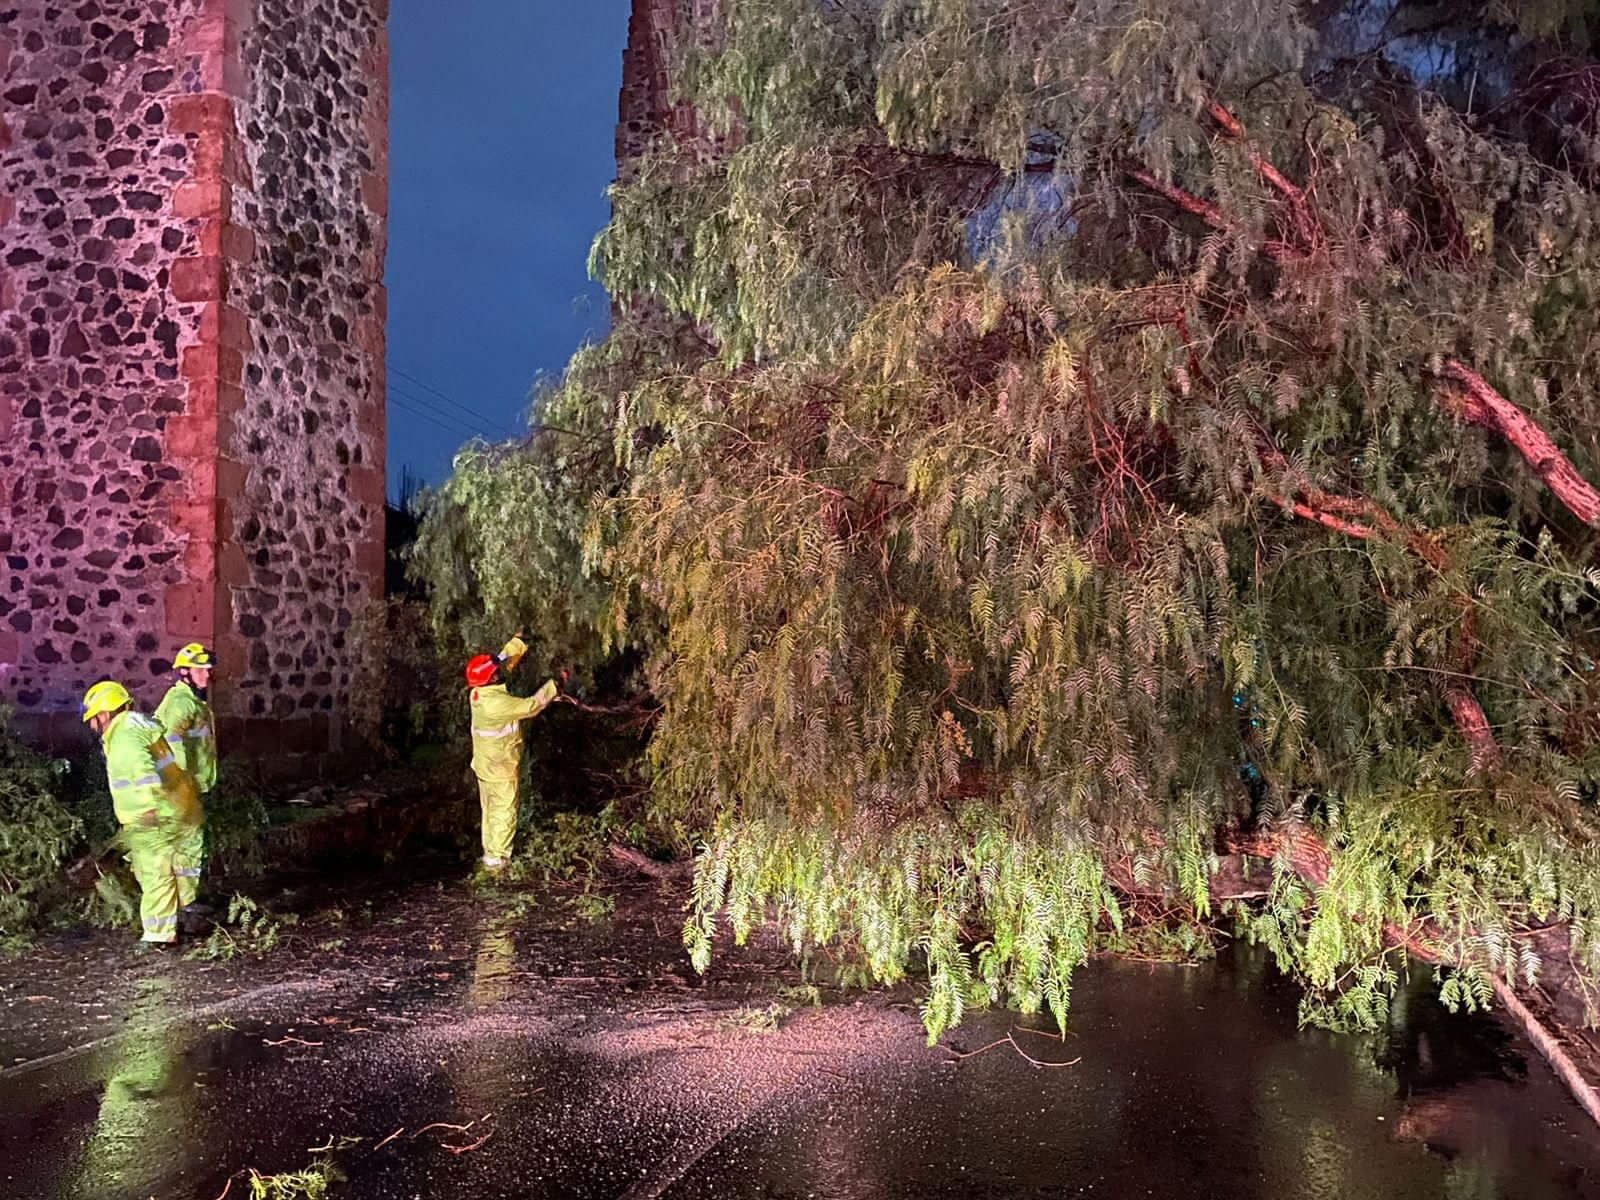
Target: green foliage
x: 569, y: 847
x: 758, y: 1018
x: 248, y: 929
x: 501, y: 545
x: 1012, y: 480
x: 236, y: 817
x: 37, y: 833
x: 114, y: 902
x: 309, y: 1183
x: 802, y: 995
x: 594, y: 906
x: 902, y: 897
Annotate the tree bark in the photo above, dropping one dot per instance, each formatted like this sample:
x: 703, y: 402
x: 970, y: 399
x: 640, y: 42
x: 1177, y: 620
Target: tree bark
x: 1304, y: 222
x: 1475, y: 401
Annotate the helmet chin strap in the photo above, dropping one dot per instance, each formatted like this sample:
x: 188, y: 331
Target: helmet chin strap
x: 188, y: 677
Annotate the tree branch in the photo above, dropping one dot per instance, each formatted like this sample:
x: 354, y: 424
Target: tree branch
x: 1306, y: 226
x: 1208, y: 212
x: 1335, y: 512
x: 1472, y: 398
x: 1309, y: 859
x: 1483, y: 405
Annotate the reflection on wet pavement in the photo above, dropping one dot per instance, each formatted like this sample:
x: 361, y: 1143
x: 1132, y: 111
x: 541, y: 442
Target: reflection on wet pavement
x: 143, y: 1106
x: 479, y: 1056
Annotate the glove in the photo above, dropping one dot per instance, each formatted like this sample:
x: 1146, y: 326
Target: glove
x: 150, y: 818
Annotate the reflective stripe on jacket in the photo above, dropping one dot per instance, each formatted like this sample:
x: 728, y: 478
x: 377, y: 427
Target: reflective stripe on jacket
x: 191, y: 733
x: 143, y: 773
x: 497, y: 718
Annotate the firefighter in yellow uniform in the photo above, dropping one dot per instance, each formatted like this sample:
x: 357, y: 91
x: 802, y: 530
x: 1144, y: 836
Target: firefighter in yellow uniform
x: 154, y: 800
x: 497, y: 718
x: 185, y: 713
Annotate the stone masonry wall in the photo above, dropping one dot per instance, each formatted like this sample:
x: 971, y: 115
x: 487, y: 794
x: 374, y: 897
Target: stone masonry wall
x: 90, y: 340
x: 303, y: 514
x: 192, y: 213
x: 660, y: 33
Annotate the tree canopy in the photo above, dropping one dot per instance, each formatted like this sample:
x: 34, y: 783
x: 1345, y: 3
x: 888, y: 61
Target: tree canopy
x: 1046, y: 444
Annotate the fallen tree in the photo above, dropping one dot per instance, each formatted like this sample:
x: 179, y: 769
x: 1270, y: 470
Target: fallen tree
x: 1045, y: 434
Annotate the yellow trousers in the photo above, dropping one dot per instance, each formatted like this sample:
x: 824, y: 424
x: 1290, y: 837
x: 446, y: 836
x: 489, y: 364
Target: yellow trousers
x: 152, y: 853
x: 499, y: 800
x: 189, y: 857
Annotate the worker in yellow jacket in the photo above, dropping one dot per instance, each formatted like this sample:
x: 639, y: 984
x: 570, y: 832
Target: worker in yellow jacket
x: 185, y: 713
x: 497, y: 718
x: 154, y: 800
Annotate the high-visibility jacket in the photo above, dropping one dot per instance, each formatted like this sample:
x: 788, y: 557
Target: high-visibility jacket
x: 144, y: 775
x: 191, y: 733
x: 497, y: 718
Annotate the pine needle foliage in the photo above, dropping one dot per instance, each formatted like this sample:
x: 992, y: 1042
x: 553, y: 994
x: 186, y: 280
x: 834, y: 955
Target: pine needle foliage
x: 37, y: 833
x: 1037, y: 441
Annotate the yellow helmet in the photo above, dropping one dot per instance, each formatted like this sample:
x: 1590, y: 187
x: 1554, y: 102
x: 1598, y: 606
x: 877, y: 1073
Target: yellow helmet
x: 192, y: 655
x: 104, y: 697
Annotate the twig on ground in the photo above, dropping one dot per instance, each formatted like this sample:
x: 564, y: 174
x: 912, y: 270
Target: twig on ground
x: 344, y: 1142
x: 288, y: 1041
x: 959, y: 1054
x: 443, y: 1125
x: 1008, y: 1040
x: 1044, y: 1033
x: 226, y: 1188
x: 389, y: 1139
x: 1037, y: 1062
x: 468, y: 1146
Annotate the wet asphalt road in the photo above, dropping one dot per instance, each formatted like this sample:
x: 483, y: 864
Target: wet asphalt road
x: 439, y: 1044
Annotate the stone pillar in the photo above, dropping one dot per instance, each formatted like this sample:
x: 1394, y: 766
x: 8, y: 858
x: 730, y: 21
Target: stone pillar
x: 192, y: 213
x: 660, y: 32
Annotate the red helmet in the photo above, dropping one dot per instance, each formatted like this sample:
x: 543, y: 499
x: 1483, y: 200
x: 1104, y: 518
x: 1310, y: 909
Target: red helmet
x: 480, y: 671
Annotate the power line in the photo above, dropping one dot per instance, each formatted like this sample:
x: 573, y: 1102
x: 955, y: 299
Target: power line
x: 479, y: 425
x: 444, y: 414
x: 459, y: 430
x: 433, y: 391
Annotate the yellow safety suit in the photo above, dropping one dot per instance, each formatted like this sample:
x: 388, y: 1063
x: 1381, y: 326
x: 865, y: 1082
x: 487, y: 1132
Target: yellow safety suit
x: 154, y: 800
x: 497, y: 718
x: 192, y: 736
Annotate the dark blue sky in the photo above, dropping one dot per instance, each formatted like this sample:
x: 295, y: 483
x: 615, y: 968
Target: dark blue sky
x: 502, y: 115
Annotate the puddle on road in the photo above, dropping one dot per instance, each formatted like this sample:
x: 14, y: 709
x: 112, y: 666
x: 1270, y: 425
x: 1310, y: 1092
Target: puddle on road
x: 1191, y: 1081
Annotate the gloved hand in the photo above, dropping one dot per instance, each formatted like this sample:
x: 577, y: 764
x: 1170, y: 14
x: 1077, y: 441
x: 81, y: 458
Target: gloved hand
x: 150, y: 818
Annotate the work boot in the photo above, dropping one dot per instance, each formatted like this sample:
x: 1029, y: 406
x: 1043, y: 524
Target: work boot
x: 143, y: 947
